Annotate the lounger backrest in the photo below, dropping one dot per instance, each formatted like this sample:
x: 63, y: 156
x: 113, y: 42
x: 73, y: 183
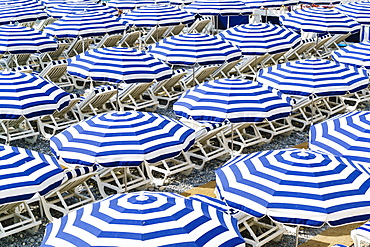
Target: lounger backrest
x: 225, y: 68
x: 171, y: 82
x: 78, y: 46
x: 55, y: 55
x: 54, y: 70
x: 97, y: 98
x: 134, y: 91
x: 109, y: 41
x: 75, y: 98
x: 129, y: 39
x: 199, y: 25
x: 154, y: 35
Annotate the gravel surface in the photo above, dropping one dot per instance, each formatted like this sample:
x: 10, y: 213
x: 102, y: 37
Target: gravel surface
x: 177, y: 183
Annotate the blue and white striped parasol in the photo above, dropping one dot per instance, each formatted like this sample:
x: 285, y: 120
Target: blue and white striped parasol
x: 148, y: 219
x: 85, y: 24
x: 133, y: 4
x: 24, y: 173
x: 53, y: 3
x: 293, y: 186
x: 268, y: 3
x: 25, y: 3
x: 320, y: 20
x: 261, y: 38
x: 359, y: 11
x: 17, y: 39
x: 122, y: 139
x: 157, y: 15
x: 195, y: 49
x: 233, y: 100
x: 10, y: 14
x: 346, y: 135
x: 114, y: 64
x: 314, y: 76
x: 29, y: 95
x: 218, y: 7
x: 70, y: 8
x: 355, y: 54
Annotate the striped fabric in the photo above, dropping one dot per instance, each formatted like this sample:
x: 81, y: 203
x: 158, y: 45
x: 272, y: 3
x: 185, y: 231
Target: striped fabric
x: 180, y: 2
x: 218, y: 7
x: 256, y: 4
x: 29, y: 95
x: 293, y: 186
x: 157, y: 15
x: 362, y: 231
x: 85, y: 24
x: 232, y: 100
x: 71, y: 8
x: 148, y: 219
x: 24, y: 172
x: 365, y: 33
x: 53, y: 3
x: 195, y: 49
x: 359, y: 11
x: 356, y: 54
x: 314, y: 76
x: 117, y: 65
x: 214, y: 202
x: 133, y: 4
x: 20, y: 13
x: 261, y: 38
x: 320, y: 20
x: 122, y: 139
x: 90, y: 93
x: 79, y: 172
x: 24, y: 3
x: 17, y: 39
x: 346, y: 135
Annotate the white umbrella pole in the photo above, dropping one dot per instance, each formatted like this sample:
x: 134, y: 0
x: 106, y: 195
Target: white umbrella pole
x: 232, y: 140
x: 296, y: 235
x: 125, y: 175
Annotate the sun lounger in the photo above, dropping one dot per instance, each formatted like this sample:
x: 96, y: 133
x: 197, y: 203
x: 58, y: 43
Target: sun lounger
x: 249, y: 67
x: 74, y: 192
x: 95, y: 101
x: 59, y: 120
x: 361, y: 235
x: 17, y: 217
x: 169, y: 90
x: 44, y: 59
x: 209, y: 143
x: 243, y: 135
x: 15, y: 129
x: 174, y: 30
x: 198, y: 76
x: 258, y: 232
x: 199, y: 25
x: 77, y: 46
x: 154, y: 35
x: 129, y: 40
x: 135, y: 96
x: 332, y: 105
x: 224, y: 69
x: 56, y: 71
x: 356, y: 98
x: 302, y: 51
x: 15, y: 60
x: 269, y: 129
x: 113, y: 180
x: 107, y: 41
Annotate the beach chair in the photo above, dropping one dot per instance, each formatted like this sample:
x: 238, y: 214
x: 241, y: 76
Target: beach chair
x: 59, y: 120
x: 354, y: 99
x: 361, y: 235
x: 249, y: 67
x: 16, y: 217
x: 169, y: 90
x: 301, y: 51
x: 114, y: 180
x: 135, y: 96
x: 305, y: 112
x: 318, y: 49
x: 332, y: 44
x: 209, y: 143
x: 95, y: 101
x: 198, y: 76
x: 224, y: 69
x: 269, y: 129
x: 77, y: 46
x: 256, y: 232
x: 174, y: 30
x: 73, y: 193
x: 56, y: 71
x: 23, y: 69
x: 154, y: 35
x: 240, y: 136
x: 273, y: 59
x: 15, y: 60
x: 160, y: 171
x: 107, y: 41
x: 199, y: 25
x: 332, y: 105
x: 15, y: 129
x: 44, y: 23
x: 45, y: 58
x: 129, y: 40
